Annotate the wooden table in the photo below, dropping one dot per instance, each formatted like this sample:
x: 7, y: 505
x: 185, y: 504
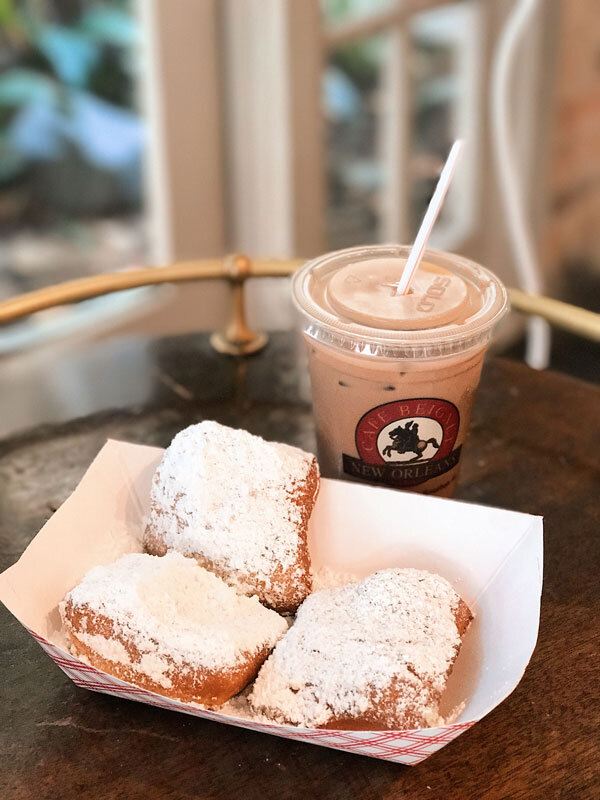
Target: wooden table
x: 534, y: 447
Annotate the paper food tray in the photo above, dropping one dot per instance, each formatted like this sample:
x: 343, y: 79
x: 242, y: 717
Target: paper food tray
x: 493, y: 558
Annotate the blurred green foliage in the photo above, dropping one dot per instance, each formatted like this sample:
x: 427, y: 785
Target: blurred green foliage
x: 67, y: 84
x: 361, y: 60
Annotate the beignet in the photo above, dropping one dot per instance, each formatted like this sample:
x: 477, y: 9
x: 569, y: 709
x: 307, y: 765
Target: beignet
x: 240, y: 506
x: 373, y: 655
x: 169, y: 626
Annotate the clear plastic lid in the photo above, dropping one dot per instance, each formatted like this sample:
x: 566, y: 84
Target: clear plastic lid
x: 348, y: 302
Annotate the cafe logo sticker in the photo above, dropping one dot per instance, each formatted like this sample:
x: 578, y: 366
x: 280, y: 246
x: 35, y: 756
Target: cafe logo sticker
x: 406, y: 442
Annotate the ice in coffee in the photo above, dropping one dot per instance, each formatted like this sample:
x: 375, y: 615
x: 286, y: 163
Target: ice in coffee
x: 394, y: 377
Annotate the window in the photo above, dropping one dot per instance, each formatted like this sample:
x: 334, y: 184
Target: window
x: 289, y: 127
x: 71, y: 148
x: 393, y: 103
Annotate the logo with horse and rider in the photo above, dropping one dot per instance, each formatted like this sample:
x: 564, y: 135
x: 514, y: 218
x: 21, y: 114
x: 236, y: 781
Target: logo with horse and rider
x: 405, y: 442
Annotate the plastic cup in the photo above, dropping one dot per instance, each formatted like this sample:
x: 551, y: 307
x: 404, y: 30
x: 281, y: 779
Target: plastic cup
x: 394, y: 377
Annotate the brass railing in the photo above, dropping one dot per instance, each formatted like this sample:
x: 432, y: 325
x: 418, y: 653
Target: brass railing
x: 237, y: 338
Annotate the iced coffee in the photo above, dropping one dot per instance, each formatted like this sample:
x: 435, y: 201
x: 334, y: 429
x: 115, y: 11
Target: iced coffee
x: 394, y: 376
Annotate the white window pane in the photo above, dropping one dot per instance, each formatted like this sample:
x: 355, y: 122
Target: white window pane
x: 351, y: 98
x: 445, y: 69
x: 393, y: 104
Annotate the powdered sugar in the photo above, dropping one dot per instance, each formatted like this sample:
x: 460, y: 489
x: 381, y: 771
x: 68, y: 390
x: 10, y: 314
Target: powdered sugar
x: 110, y: 649
x: 328, y: 578
x: 227, y: 496
x: 349, y: 644
x: 174, y: 612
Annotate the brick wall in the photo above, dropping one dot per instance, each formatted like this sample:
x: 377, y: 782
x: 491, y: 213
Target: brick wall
x: 574, y: 229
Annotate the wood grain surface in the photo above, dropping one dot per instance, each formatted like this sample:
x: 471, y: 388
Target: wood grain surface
x: 534, y: 447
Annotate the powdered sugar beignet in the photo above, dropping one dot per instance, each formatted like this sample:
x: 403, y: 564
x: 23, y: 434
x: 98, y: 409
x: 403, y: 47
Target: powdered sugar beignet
x: 240, y: 506
x: 168, y: 625
x: 373, y: 655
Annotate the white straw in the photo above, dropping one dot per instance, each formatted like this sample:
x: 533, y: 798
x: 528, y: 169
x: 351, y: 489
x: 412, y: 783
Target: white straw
x: 435, y: 204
